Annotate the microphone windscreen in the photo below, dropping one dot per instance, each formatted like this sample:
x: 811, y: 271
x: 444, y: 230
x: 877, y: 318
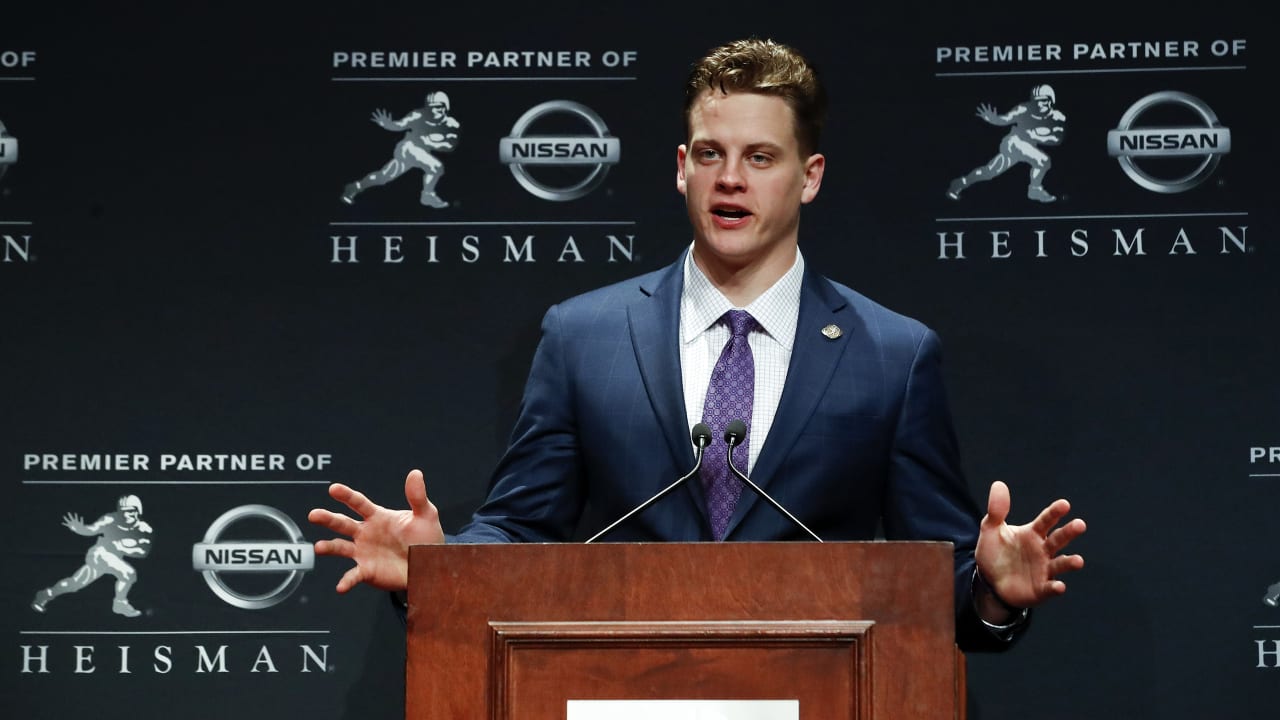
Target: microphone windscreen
x: 701, y: 435
x: 735, y: 431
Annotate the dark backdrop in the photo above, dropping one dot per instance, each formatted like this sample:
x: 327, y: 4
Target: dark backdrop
x: 169, y: 288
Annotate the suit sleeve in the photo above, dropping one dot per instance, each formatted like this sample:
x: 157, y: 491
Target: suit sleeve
x: 928, y: 498
x: 536, y: 493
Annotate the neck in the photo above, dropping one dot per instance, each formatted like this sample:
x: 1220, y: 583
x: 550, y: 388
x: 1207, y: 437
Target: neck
x: 742, y: 284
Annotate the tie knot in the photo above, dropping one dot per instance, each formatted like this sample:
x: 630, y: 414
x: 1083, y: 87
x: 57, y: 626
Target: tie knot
x: 740, y: 322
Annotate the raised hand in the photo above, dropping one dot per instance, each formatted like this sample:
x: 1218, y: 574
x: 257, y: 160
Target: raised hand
x: 1022, y: 563
x: 379, y: 541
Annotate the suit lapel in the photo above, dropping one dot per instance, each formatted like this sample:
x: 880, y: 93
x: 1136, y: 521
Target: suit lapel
x: 814, y: 358
x: 654, y: 318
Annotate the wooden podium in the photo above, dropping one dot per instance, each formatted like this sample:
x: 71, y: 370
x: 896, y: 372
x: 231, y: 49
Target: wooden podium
x: 850, y: 630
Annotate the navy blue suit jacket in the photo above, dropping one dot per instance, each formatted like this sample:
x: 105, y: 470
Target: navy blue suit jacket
x: 862, y: 440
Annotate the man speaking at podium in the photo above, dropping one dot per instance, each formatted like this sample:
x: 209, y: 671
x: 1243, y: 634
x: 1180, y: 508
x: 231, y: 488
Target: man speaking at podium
x: 846, y: 420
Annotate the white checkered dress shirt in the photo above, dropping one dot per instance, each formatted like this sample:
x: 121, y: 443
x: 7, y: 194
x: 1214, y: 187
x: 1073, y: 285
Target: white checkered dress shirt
x: 702, y: 339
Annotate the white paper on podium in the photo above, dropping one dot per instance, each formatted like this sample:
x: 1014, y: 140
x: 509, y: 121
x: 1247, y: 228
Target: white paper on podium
x: 683, y: 710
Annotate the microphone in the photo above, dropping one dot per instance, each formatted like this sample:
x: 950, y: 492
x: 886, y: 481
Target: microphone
x: 701, y: 437
x: 734, y: 433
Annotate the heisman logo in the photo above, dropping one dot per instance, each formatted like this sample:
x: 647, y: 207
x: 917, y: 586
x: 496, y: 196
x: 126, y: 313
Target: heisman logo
x: 121, y: 535
x: 427, y: 130
x: 1032, y: 125
x: 8, y: 150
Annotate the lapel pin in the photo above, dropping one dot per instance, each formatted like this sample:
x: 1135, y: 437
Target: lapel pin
x: 832, y: 332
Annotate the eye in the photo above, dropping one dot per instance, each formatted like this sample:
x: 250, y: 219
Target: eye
x: 706, y: 154
x: 759, y: 159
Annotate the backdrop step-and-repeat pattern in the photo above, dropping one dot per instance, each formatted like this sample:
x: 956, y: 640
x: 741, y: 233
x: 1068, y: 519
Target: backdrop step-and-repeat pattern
x: 228, y: 280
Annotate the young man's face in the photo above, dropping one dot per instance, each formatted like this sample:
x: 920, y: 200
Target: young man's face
x: 744, y: 180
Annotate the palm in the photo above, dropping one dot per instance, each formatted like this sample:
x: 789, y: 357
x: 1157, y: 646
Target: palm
x: 382, y: 546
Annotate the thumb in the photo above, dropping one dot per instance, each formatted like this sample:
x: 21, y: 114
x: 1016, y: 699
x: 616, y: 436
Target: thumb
x: 997, y: 504
x: 415, y: 491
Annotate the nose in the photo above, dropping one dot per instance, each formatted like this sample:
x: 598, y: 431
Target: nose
x: 730, y: 178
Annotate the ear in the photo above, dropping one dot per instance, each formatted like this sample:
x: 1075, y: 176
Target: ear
x: 813, y: 169
x: 681, y: 153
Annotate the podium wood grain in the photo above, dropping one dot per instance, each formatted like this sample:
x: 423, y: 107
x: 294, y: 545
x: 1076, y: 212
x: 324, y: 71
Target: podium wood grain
x: 851, y: 630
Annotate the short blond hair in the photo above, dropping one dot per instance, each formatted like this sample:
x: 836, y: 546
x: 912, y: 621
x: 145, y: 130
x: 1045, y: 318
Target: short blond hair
x: 769, y: 68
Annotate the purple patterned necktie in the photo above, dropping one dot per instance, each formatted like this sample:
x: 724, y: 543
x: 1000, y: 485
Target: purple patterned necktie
x: 729, y: 398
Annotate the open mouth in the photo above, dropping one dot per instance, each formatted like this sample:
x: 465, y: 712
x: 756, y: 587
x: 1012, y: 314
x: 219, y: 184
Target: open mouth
x: 730, y: 213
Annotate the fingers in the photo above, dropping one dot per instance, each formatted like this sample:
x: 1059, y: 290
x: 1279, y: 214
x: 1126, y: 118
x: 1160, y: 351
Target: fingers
x: 349, y: 579
x: 1053, y: 588
x: 353, y: 499
x: 336, y: 547
x: 1050, y: 516
x: 1060, y: 538
x: 340, y: 524
x: 1065, y: 564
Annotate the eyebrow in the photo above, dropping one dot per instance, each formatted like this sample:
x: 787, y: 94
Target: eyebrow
x: 749, y: 147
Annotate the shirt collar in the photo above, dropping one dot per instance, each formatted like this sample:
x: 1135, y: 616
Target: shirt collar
x: 777, y: 310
